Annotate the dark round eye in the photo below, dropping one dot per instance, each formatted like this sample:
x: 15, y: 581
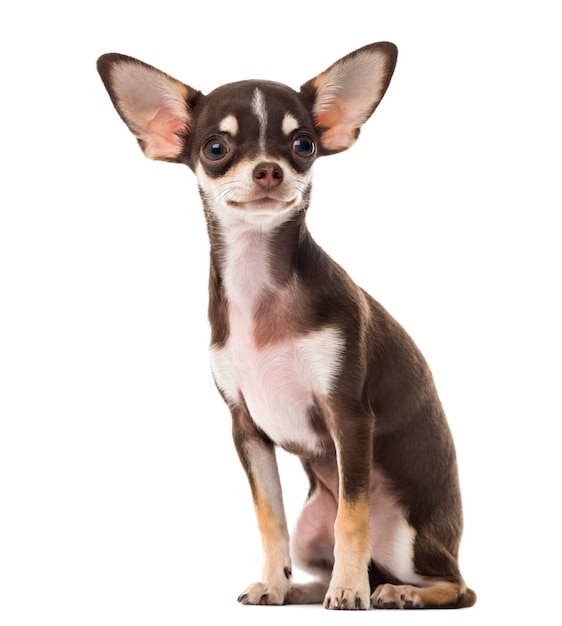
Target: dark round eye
x: 215, y: 149
x: 304, y: 146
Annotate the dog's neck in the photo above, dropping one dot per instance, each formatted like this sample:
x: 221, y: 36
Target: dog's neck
x: 250, y: 256
x: 254, y: 276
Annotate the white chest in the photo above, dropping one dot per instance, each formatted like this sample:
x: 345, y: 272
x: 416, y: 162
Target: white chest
x: 279, y: 378
x: 279, y: 382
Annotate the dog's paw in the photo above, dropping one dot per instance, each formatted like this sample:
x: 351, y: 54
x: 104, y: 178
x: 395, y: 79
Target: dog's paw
x: 396, y: 597
x: 261, y: 593
x: 346, y: 599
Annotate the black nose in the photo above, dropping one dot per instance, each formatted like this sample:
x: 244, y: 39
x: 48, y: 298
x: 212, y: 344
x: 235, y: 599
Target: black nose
x: 268, y: 174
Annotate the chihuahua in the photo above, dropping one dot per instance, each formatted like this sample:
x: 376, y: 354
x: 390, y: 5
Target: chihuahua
x: 303, y: 357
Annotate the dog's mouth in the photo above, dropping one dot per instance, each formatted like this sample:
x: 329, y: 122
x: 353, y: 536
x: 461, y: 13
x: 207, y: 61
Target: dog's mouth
x: 266, y: 203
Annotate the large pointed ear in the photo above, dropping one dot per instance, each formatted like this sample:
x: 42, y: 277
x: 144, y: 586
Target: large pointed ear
x: 156, y: 107
x: 347, y: 93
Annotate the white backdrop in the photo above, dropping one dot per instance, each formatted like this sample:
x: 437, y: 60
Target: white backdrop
x: 121, y: 497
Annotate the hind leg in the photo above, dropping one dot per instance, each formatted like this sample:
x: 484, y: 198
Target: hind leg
x: 440, y: 594
x: 419, y: 570
x: 422, y: 574
x: 313, y: 547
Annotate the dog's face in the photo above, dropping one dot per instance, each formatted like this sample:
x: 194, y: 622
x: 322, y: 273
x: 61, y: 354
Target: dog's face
x: 252, y: 151
x: 251, y: 143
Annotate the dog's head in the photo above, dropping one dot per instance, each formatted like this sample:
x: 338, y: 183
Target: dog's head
x: 252, y: 143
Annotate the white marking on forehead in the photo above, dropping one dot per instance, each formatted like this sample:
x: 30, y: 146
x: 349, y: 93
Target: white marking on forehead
x: 229, y: 125
x: 289, y: 124
x: 259, y: 110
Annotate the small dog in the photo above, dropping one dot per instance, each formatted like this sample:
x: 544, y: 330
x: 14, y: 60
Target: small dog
x: 303, y: 357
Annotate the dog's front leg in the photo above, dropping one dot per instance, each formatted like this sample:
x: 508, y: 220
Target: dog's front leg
x: 257, y: 455
x: 352, y: 432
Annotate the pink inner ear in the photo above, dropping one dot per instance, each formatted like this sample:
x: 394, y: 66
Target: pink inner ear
x: 347, y: 93
x: 161, y: 138
x: 330, y: 117
x: 340, y: 126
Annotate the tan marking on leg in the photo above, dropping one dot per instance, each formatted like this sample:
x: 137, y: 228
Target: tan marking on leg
x: 275, y: 539
x: 352, y: 526
x: 439, y: 594
x: 349, y: 587
x: 276, y: 571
